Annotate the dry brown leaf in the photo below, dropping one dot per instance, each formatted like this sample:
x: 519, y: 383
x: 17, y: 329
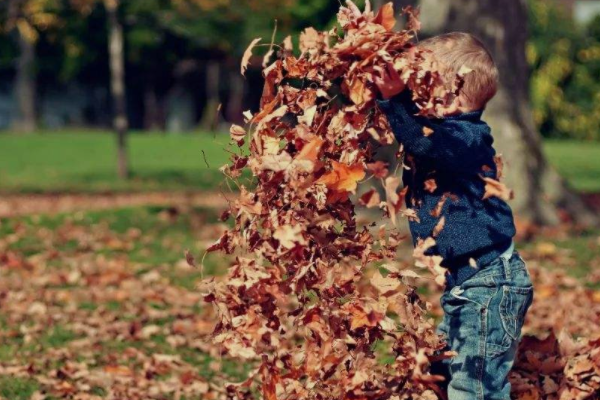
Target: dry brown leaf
x: 247, y: 55
x: 493, y: 188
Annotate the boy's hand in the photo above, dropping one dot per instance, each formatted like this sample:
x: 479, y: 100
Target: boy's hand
x: 388, y: 82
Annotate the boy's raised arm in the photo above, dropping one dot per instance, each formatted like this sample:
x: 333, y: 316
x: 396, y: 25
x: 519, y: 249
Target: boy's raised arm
x: 445, y: 142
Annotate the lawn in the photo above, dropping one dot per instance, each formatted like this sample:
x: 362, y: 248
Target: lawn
x: 85, y: 162
x: 578, y: 162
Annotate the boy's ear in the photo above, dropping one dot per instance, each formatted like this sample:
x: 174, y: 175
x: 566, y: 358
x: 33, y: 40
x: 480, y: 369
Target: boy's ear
x: 455, y: 108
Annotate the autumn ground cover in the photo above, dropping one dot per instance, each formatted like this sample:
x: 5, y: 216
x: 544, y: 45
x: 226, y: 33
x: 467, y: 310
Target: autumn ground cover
x: 100, y: 304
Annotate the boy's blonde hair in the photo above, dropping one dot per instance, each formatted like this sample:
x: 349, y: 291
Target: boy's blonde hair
x: 458, y: 49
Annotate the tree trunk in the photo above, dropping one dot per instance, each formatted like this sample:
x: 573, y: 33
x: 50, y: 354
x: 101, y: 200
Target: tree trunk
x: 502, y: 25
x: 117, y: 84
x: 235, y: 103
x: 25, y: 89
x: 25, y: 86
x: 210, y: 117
x: 153, y: 118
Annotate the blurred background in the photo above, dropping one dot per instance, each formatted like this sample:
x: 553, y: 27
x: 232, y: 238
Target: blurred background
x: 114, y: 120
x: 166, y: 68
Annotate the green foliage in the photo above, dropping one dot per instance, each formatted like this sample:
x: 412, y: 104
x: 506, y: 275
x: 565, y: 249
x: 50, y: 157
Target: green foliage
x: 565, y: 58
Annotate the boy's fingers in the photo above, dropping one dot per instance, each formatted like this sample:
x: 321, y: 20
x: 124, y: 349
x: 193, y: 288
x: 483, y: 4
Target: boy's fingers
x: 392, y: 72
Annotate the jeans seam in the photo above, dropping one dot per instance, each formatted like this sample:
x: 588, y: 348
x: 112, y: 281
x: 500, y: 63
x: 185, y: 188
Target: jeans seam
x: 482, y: 349
x: 483, y: 345
x: 507, y: 269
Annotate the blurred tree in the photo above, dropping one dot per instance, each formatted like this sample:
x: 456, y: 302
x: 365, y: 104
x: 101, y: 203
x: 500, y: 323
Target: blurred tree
x: 117, y: 83
x: 24, y: 20
x: 502, y: 26
x: 116, y: 52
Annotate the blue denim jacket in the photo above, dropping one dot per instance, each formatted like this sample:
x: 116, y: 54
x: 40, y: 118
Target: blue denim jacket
x: 456, y: 156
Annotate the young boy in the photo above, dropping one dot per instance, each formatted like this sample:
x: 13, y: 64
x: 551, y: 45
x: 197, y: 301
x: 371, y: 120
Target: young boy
x: 488, y: 287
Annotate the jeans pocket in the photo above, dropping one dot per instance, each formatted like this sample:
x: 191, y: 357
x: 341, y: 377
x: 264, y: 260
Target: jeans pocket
x: 513, y: 307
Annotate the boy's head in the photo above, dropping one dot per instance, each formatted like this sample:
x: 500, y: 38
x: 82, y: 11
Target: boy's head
x: 452, y: 51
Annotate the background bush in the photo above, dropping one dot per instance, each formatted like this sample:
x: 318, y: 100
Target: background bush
x: 565, y: 84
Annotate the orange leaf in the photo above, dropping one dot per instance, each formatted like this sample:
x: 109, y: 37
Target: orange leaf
x: 427, y: 131
x: 439, y: 227
x: 359, y: 92
x: 247, y: 55
x: 310, y: 151
x: 385, y: 17
x: 120, y: 370
x: 343, y: 177
x: 430, y: 185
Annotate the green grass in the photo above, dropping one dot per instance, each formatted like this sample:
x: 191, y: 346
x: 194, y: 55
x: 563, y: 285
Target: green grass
x: 17, y: 388
x: 578, y: 162
x: 86, y: 162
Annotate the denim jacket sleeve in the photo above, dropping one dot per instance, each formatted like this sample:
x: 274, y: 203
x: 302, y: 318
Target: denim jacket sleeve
x: 453, y: 144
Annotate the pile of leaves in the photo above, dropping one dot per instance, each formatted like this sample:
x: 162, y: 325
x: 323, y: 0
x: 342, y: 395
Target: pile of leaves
x: 297, y: 298
x: 553, y: 365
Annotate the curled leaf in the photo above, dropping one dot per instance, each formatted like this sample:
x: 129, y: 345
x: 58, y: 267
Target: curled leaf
x: 247, y: 55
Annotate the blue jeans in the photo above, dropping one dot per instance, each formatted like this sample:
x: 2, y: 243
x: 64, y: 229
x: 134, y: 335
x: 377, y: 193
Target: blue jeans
x: 482, y: 323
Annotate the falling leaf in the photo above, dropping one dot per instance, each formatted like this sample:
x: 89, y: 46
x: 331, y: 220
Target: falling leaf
x: 379, y: 169
x: 359, y: 92
x: 439, y: 227
x: 430, y: 185
x: 439, y: 207
x: 385, y: 285
x: 310, y: 151
x: 343, y: 177
x: 413, y: 23
x: 189, y: 258
x: 276, y: 162
x: 288, y: 236
x: 393, y: 199
x: 493, y: 188
x: 238, y: 134
x: 499, y: 166
x: 247, y: 55
x: 370, y: 199
x: 385, y: 17
x: 427, y: 131
x: 464, y: 71
x: 287, y: 44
